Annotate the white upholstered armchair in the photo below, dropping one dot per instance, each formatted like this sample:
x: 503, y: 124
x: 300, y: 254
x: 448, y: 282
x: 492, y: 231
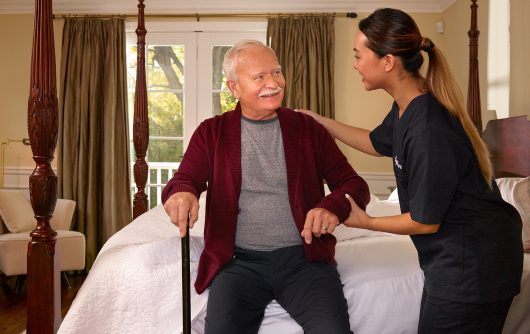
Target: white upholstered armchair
x: 17, y: 221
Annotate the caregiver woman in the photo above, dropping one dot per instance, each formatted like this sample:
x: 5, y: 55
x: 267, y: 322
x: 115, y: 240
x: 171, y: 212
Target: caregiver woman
x: 468, y: 239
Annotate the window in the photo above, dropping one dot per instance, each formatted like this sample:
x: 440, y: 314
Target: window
x: 498, y: 75
x: 222, y: 99
x: 185, y: 85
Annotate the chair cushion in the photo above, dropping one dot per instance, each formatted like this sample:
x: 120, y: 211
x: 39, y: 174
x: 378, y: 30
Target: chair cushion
x: 14, y: 247
x: 16, y: 211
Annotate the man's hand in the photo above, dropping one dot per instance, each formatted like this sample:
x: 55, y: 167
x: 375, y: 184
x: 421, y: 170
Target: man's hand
x: 318, y: 221
x: 177, y: 208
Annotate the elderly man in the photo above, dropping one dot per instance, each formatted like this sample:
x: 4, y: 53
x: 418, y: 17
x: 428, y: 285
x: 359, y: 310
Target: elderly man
x: 268, y: 227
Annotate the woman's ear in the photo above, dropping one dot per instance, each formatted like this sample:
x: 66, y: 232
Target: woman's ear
x: 389, y: 61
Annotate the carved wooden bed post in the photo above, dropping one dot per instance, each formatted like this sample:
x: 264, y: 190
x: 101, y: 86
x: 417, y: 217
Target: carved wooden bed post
x: 43, y: 289
x: 141, y: 121
x: 141, y: 169
x: 473, y: 92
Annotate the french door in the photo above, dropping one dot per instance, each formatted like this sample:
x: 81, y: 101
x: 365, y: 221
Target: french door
x: 185, y: 85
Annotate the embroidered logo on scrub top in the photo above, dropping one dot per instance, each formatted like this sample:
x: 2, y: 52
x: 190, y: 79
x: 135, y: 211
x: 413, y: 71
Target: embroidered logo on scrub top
x: 396, y: 162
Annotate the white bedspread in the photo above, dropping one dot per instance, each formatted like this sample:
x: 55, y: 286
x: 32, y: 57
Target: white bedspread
x: 135, y: 286
x: 135, y: 283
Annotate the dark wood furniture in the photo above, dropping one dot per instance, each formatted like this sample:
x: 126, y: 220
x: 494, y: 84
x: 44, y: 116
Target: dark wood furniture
x: 43, y: 286
x: 509, y: 142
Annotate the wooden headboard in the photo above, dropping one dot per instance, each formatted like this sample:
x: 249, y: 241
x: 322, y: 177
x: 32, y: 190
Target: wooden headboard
x: 43, y: 301
x: 509, y: 142
x: 507, y: 138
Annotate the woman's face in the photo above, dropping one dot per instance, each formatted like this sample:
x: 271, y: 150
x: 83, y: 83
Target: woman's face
x: 368, y: 64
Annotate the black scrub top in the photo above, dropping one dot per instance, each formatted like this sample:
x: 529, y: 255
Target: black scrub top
x: 477, y: 254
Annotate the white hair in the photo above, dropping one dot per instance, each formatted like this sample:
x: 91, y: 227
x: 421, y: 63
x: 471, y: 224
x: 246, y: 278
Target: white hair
x: 231, y: 56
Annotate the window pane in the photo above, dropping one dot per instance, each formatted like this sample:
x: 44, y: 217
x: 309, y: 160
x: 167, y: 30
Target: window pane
x: 165, y: 150
x: 131, y: 67
x: 131, y: 111
x: 166, y: 114
x: 165, y: 67
x: 165, y: 176
x: 152, y: 197
x: 152, y: 176
x: 218, y: 78
x: 223, y: 102
x: 132, y: 155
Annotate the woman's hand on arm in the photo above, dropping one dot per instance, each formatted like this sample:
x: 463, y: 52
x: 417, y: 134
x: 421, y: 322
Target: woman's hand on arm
x: 400, y: 224
x: 354, y: 137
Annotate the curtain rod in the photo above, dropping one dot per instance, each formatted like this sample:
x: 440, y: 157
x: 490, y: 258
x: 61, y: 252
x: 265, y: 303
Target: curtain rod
x: 198, y: 16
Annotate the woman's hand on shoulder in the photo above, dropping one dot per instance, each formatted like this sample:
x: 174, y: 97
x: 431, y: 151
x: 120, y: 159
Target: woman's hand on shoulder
x: 309, y: 113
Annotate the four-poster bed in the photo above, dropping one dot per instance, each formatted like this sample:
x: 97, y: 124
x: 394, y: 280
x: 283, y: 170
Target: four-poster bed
x: 43, y: 285
x: 133, y: 286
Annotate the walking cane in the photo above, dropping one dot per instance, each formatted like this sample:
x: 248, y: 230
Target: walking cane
x: 186, y: 302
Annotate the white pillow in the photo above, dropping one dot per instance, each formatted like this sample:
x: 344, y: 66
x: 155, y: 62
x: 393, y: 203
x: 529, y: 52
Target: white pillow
x: 516, y: 191
x: 394, y: 196
x: 16, y: 211
x: 507, y: 187
x: 522, y: 200
x: 376, y: 208
x: 383, y: 208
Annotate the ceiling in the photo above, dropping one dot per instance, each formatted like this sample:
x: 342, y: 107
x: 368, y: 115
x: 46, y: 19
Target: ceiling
x: 226, y: 6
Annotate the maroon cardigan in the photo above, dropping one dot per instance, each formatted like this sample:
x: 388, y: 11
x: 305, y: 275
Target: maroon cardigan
x: 213, y: 161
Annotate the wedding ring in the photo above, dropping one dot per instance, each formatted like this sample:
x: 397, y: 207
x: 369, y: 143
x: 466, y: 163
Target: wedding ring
x: 324, y: 228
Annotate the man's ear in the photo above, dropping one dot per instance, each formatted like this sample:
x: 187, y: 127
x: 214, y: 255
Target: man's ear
x: 389, y: 62
x: 232, y: 85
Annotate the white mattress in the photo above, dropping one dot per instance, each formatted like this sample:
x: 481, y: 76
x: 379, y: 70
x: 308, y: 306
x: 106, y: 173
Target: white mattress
x: 135, y: 285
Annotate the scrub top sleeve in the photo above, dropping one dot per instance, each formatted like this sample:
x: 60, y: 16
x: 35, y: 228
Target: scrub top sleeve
x: 382, y: 136
x: 435, y: 163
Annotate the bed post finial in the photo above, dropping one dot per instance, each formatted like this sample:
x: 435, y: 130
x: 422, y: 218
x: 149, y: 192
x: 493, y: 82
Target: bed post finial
x: 43, y: 289
x: 473, y: 90
x: 141, y: 121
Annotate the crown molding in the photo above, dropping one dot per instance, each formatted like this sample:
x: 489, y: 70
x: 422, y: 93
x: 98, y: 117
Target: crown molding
x: 227, y: 6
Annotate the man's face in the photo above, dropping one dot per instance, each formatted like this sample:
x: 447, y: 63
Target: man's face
x: 260, y: 83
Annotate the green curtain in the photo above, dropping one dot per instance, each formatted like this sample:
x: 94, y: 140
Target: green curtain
x: 93, y: 146
x: 305, y: 48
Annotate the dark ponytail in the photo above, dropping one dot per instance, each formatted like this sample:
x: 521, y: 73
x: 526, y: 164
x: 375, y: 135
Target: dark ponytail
x: 392, y: 31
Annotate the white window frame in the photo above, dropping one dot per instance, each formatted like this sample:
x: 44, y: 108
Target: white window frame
x: 206, y: 40
x: 198, y: 37
x: 215, y: 33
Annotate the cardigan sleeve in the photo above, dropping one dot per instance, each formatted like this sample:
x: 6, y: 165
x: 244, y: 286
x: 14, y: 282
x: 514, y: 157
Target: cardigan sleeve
x: 340, y: 177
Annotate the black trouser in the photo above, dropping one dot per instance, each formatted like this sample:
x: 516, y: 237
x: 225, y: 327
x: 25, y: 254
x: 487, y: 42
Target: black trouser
x: 443, y: 316
x: 310, y: 292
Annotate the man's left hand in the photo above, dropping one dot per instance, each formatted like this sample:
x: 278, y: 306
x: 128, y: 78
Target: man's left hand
x: 318, y: 221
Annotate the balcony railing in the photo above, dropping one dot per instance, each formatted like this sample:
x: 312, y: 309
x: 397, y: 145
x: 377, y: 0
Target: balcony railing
x: 159, y: 174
